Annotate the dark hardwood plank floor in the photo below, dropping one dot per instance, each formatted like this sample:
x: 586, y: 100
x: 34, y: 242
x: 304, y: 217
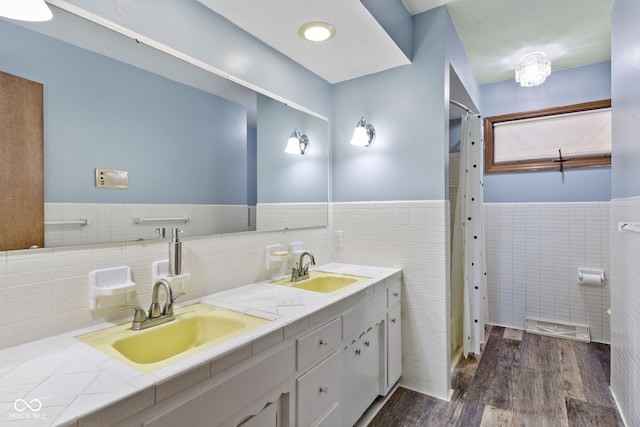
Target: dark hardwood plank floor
x: 521, y: 379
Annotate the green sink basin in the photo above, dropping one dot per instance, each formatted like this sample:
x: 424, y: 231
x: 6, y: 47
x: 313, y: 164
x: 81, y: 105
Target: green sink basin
x: 195, y: 328
x: 323, y: 282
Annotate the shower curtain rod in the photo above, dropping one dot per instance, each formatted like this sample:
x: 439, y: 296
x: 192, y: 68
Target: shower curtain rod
x: 461, y: 105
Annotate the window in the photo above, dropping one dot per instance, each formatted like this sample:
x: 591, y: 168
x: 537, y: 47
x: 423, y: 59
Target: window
x: 573, y: 136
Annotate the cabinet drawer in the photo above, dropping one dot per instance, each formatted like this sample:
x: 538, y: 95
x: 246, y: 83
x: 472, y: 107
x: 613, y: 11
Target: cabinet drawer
x: 394, y: 294
x: 318, y: 389
x: 318, y: 343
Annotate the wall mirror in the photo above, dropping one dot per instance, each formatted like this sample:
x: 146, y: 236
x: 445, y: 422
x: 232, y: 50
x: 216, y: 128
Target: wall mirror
x: 195, y: 148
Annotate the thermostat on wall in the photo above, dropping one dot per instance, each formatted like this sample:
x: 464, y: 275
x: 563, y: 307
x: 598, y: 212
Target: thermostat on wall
x: 112, y: 178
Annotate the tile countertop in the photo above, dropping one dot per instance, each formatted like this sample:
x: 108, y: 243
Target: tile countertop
x: 56, y: 380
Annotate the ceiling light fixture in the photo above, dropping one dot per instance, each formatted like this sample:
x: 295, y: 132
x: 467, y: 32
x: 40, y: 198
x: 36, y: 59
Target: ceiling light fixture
x: 533, y: 69
x: 25, y: 10
x: 317, y: 31
x: 297, y: 143
x: 364, y: 134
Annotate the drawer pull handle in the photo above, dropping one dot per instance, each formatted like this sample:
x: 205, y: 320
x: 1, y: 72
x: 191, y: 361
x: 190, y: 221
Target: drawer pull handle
x: 396, y: 294
x: 358, y: 352
x: 393, y: 320
x: 323, y: 342
x: 367, y: 343
x: 323, y: 390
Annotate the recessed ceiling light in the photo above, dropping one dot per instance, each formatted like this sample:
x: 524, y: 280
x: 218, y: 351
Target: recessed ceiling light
x: 317, y: 31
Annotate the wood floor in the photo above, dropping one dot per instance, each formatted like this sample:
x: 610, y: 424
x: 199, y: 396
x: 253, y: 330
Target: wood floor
x: 521, y: 379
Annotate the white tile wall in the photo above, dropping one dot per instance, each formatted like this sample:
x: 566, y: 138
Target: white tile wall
x: 625, y: 310
x: 411, y: 236
x: 533, y: 253
x: 276, y: 216
x: 45, y: 291
x: 109, y: 222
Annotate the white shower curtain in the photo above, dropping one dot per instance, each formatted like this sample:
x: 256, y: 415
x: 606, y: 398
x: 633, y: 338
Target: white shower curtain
x: 468, y: 264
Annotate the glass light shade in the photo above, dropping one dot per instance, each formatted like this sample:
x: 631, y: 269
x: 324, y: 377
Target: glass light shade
x: 364, y: 134
x: 533, y: 69
x: 297, y: 143
x: 293, y: 146
x: 25, y: 10
x: 360, y: 137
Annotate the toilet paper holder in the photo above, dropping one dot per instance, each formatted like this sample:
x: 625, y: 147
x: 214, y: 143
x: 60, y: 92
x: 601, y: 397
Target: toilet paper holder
x: 590, y: 276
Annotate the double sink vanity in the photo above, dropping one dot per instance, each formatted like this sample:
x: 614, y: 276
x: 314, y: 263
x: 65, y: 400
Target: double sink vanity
x: 316, y: 352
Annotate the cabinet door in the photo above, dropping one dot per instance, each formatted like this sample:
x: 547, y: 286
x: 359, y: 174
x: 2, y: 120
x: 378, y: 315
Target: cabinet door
x: 394, y: 346
x: 360, y: 378
x: 22, y: 171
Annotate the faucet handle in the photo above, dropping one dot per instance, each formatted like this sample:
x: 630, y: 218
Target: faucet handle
x: 139, y: 316
x: 168, y: 308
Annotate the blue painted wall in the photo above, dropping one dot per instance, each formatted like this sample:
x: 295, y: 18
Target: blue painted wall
x: 179, y: 144
x: 572, y: 86
x: 409, y: 107
x: 396, y: 21
x: 625, y: 55
x: 405, y: 105
x: 287, y: 178
x: 192, y: 28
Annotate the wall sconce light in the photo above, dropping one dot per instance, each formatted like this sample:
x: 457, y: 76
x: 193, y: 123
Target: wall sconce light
x: 25, y: 10
x: 297, y: 143
x: 364, y: 134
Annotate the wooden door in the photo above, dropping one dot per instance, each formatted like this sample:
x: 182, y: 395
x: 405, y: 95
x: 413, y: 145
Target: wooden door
x: 21, y: 163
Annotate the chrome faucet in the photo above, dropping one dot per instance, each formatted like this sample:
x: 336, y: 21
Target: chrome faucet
x: 302, y: 271
x: 142, y: 320
x: 154, y: 308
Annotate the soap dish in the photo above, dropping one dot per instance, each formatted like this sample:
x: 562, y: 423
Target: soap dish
x: 108, y: 282
x: 160, y: 270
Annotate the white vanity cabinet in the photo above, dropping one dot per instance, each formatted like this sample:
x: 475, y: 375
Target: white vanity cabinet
x: 326, y: 374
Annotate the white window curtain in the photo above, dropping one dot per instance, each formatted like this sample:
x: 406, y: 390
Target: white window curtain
x: 468, y: 265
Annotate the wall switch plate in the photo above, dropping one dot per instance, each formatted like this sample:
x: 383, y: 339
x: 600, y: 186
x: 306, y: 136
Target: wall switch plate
x: 338, y: 239
x: 112, y: 178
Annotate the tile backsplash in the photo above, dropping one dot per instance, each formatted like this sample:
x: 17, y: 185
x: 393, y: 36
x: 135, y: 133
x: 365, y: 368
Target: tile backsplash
x: 533, y: 253
x: 45, y: 291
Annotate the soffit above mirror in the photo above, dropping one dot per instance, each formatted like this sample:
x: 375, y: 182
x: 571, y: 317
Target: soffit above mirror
x: 360, y: 47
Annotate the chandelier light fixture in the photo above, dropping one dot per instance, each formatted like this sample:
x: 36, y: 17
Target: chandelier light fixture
x: 533, y: 69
